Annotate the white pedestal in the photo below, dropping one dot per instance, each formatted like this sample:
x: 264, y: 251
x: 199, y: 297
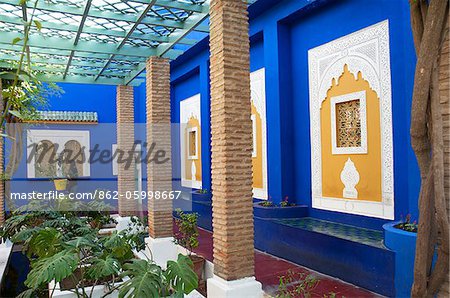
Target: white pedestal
x: 162, y: 250
x: 247, y: 287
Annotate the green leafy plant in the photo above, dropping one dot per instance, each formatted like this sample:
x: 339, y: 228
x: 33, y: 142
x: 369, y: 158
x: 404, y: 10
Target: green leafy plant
x: 64, y: 248
x: 266, y: 204
x: 270, y: 203
x: 22, y: 95
x: 296, y: 284
x: 149, y: 280
x: 285, y: 202
x: 407, y: 225
x: 203, y: 191
x: 187, y: 234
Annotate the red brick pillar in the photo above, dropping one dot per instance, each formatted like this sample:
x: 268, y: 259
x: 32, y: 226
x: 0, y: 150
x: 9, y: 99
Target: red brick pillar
x: 231, y: 146
x: 125, y: 141
x: 159, y: 174
x: 2, y: 170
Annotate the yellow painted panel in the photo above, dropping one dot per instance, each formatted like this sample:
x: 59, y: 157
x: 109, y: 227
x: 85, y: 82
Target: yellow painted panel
x: 257, y: 161
x: 368, y: 165
x: 193, y: 122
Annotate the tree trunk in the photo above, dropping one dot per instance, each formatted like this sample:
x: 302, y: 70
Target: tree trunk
x: 427, y: 23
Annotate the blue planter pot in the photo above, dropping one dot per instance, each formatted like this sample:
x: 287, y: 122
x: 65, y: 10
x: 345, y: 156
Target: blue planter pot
x: 279, y: 212
x: 201, y: 197
x: 403, y: 243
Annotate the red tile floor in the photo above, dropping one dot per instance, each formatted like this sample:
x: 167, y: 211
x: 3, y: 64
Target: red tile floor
x: 268, y: 269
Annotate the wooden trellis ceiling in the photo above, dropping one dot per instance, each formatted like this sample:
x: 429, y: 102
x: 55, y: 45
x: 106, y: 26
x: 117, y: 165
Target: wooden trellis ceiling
x: 99, y: 41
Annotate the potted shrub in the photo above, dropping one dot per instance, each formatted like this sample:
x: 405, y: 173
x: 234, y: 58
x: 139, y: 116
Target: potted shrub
x: 400, y: 237
x: 187, y: 236
x: 285, y: 209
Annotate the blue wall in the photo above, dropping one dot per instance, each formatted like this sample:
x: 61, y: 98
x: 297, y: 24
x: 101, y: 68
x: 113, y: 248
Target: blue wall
x: 281, y: 33
x: 92, y: 98
x: 191, y: 78
x: 78, y: 97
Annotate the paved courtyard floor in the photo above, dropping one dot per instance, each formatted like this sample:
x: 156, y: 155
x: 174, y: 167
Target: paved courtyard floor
x: 268, y: 270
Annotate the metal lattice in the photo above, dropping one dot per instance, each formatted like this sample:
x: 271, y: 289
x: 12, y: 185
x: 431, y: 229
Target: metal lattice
x: 99, y: 41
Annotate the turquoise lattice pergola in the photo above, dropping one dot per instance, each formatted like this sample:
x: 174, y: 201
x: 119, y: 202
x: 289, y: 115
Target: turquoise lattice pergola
x: 100, y: 41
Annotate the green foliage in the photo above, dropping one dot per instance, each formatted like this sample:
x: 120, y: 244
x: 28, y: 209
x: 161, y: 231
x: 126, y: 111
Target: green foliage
x: 187, y: 235
x: 61, y: 246
x: 296, y: 284
x: 146, y: 280
x: 119, y: 246
x: 103, y: 267
x: 180, y: 275
x: 407, y: 225
x: 149, y: 280
x: 56, y: 267
x: 266, y: 204
x: 45, y: 242
x: 284, y: 203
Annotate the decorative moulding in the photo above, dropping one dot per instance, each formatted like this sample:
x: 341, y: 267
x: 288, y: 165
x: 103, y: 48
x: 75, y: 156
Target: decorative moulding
x: 258, y: 98
x: 365, y: 51
x: 59, y: 137
x: 66, y: 117
x: 189, y: 108
x: 350, y: 178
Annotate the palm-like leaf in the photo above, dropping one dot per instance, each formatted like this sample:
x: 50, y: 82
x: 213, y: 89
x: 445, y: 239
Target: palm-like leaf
x: 181, y: 275
x: 29, y: 293
x: 103, y: 268
x: 25, y: 234
x: 46, y: 242
x: 81, y: 242
x: 118, y: 246
x: 146, y: 280
x: 56, y: 267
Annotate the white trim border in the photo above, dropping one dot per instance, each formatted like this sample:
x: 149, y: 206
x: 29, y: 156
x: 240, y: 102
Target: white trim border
x: 361, y: 96
x: 258, y: 98
x: 60, y: 137
x: 365, y: 51
x: 189, y: 107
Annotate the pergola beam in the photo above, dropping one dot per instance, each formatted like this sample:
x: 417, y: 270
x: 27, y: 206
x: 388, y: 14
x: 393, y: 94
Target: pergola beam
x: 55, y: 52
x: 98, y: 31
x: 36, y: 40
x: 176, y: 4
x: 61, y: 62
x: 161, y: 50
x: 97, y: 13
x: 136, y: 23
x: 90, y: 41
x: 48, y: 68
x: 77, y: 37
x: 77, y: 79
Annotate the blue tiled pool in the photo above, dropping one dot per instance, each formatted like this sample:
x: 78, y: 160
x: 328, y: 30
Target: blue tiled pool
x: 347, y: 232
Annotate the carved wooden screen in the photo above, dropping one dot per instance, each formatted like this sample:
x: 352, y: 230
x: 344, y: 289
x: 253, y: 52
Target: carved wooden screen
x: 348, y: 124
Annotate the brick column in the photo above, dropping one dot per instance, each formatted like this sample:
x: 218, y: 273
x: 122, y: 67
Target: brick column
x: 159, y: 175
x: 125, y: 141
x: 231, y: 146
x: 2, y: 171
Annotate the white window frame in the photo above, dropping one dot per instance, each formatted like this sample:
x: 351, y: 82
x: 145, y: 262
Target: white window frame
x: 189, y: 107
x: 254, y: 136
x: 361, y: 96
x: 60, y: 137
